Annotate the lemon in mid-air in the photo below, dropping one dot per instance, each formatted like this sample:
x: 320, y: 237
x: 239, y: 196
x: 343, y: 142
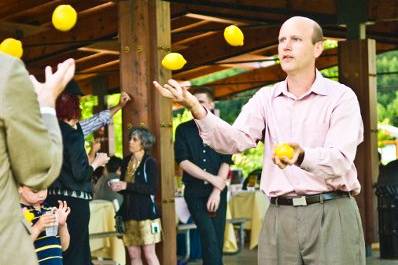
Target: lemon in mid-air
x: 12, y: 47
x: 64, y: 17
x: 284, y: 150
x: 233, y: 35
x: 173, y: 61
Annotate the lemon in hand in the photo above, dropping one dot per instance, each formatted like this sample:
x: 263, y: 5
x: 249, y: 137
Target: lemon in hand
x: 173, y: 61
x: 64, y: 17
x: 12, y: 47
x: 233, y: 35
x: 284, y: 150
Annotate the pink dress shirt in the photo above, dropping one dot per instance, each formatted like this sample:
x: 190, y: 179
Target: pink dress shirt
x: 326, y: 122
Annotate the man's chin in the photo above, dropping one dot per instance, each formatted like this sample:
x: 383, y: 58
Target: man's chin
x: 287, y: 68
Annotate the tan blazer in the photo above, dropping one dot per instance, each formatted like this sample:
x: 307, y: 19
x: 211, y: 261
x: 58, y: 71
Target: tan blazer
x: 30, y: 154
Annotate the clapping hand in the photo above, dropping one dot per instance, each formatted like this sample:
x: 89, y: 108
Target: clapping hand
x: 54, y: 83
x: 63, y: 211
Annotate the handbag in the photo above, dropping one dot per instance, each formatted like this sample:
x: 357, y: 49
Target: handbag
x: 119, y: 224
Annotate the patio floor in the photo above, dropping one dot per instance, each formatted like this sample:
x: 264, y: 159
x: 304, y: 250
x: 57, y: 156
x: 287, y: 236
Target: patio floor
x: 249, y: 257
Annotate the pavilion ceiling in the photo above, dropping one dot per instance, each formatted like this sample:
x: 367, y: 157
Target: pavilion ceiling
x: 196, y: 31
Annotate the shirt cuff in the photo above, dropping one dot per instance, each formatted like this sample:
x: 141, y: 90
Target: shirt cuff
x: 206, y: 124
x: 48, y: 110
x: 309, y: 158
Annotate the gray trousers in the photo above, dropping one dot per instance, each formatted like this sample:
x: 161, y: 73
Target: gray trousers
x: 328, y: 233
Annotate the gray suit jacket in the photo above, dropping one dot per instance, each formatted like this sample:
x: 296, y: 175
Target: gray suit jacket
x: 30, y: 154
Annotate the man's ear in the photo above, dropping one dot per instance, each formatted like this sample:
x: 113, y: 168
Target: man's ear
x: 318, y: 49
x: 213, y: 105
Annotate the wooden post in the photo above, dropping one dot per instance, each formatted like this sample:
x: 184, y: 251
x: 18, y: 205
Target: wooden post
x: 144, y: 32
x: 99, y: 85
x: 357, y: 69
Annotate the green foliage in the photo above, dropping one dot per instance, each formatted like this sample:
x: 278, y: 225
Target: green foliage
x: 87, y: 104
x: 179, y: 117
x: 329, y: 44
x: 387, y: 84
x: 230, y: 109
x: 113, y: 100
x: 250, y: 159
x: 331, y: 73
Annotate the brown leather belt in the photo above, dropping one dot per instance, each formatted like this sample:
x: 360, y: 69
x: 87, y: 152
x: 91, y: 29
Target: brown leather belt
x: 310, y: 199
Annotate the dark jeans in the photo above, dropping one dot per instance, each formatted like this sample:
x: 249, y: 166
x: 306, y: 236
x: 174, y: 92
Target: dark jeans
x: 211, y: 229
x: 78, y: 252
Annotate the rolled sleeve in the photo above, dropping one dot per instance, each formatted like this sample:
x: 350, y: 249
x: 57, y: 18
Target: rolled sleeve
x: 246, y: 131
x: 95, y: 122
x: 48, y: 110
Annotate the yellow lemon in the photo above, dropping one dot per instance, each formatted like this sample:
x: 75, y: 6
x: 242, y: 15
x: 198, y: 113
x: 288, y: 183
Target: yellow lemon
x: 64, y: 17
x: 12, y: 47
x: 173, y: 61
x: 284, y: 150
x: 28, y: 215
x: 233, y: 35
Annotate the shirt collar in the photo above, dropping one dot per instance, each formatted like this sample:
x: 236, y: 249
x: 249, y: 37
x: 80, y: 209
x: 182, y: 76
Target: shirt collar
x: 317, y: 87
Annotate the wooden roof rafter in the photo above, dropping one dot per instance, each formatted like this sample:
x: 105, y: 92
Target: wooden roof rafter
x: 196, y: 26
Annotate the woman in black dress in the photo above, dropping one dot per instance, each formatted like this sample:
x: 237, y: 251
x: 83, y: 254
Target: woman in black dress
x: 138, y: 185
x: 74, y: 182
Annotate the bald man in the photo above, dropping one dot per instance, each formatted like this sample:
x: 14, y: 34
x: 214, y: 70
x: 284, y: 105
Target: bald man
x: 313, y: 218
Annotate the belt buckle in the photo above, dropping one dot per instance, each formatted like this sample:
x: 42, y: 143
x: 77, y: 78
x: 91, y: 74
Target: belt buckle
x: 299, y: 201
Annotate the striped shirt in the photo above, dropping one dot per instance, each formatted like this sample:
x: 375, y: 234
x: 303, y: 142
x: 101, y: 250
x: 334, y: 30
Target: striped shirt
x: 95, y: 122
x: 48, y: 248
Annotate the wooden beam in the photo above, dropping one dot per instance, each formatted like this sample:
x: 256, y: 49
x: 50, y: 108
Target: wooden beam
x: 219, y: 20
x: 163, y: 123
x: 37, y: 68
x: 194, y: 30
x: 95, y: 60
x: 214, y: 48
x: 357, y: 69
x: 12, y: 8
x: 323, y: 12
x: 110, y: 46
x: 41, y: 15
x: 383, y: 10
x: 265, y: 11
x: 198, y: 72
x: 13, y: 29
x: 232, y: 86
x: 112, y: 81
x: 183, y: 22
x: 44, y: 45
x: 272, y: 74
x: 139, y: 63
x: 263, y: 76
x: 383, y: 31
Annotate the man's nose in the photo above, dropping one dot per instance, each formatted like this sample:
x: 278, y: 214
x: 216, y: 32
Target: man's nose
x: 287, y: 45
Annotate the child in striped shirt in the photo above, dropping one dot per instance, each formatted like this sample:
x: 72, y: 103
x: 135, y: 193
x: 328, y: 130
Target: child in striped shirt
x: 49, y: 247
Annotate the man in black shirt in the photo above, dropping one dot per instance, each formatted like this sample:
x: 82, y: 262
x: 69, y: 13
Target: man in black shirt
x: 204, y: 175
